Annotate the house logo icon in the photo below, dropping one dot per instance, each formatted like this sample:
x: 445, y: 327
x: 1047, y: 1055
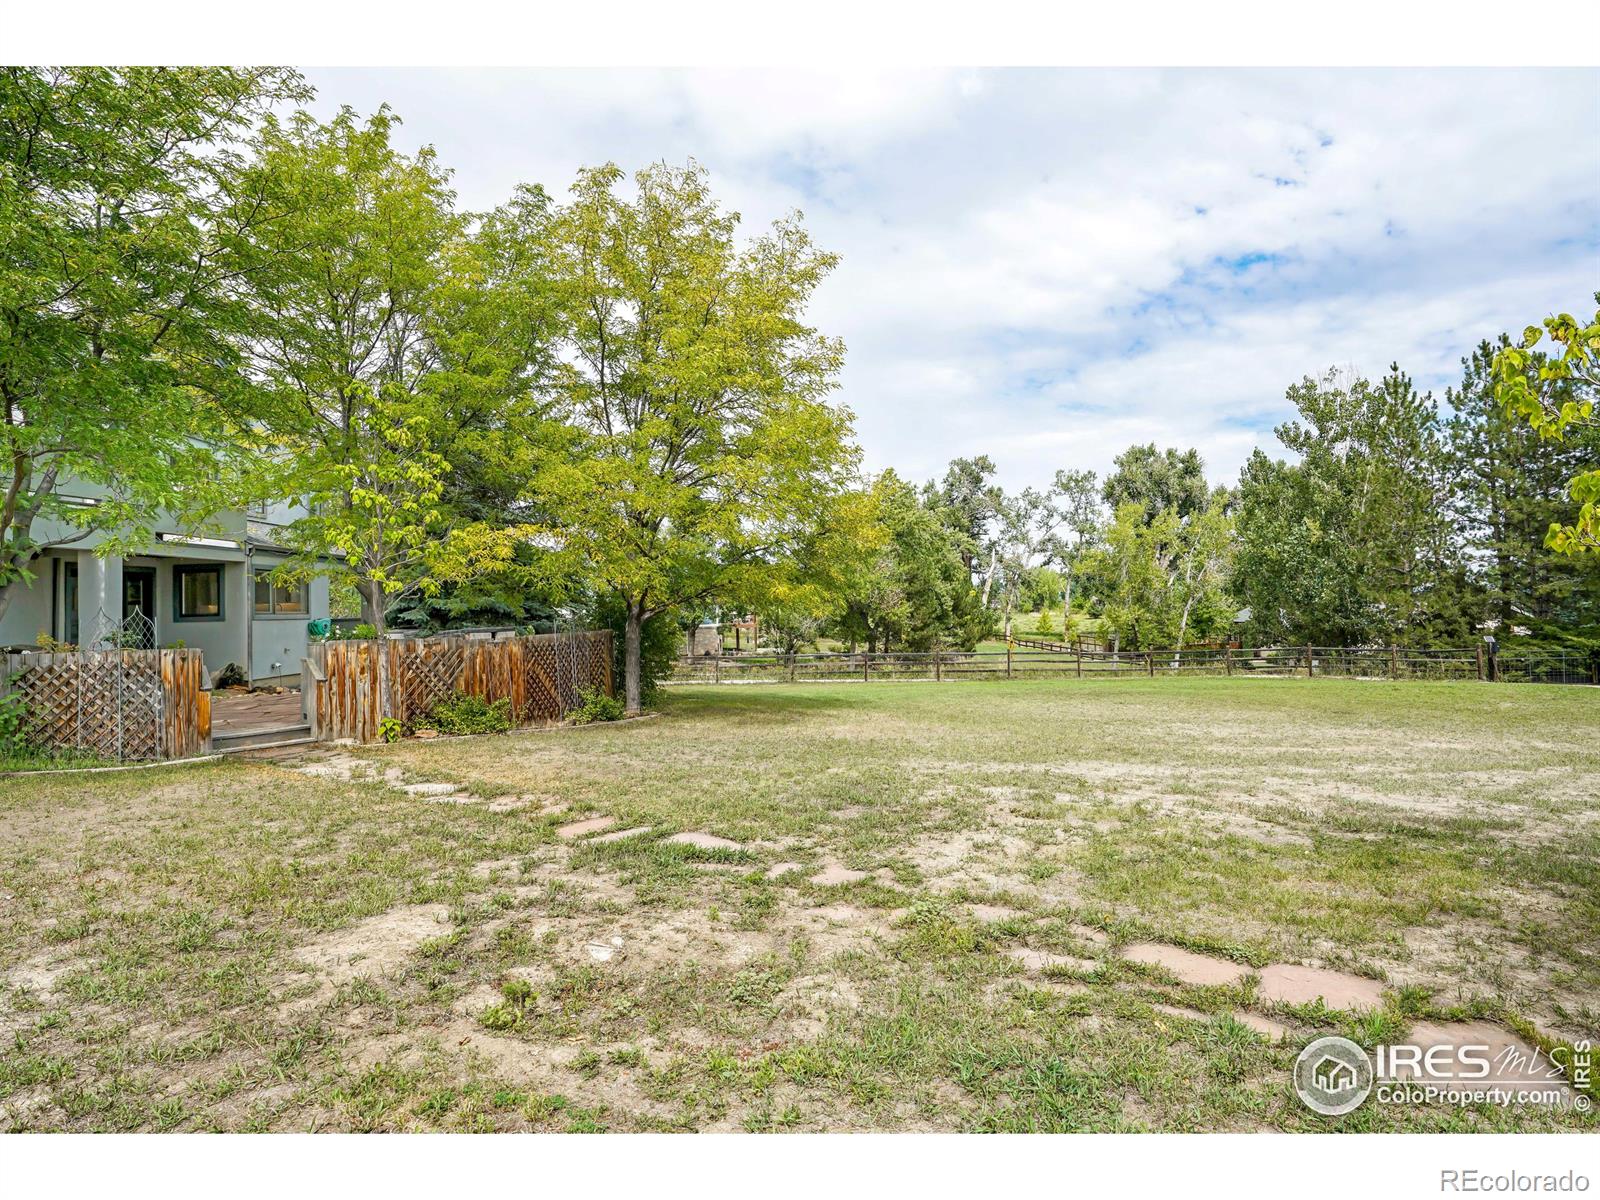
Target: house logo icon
x: 1333, y: 1076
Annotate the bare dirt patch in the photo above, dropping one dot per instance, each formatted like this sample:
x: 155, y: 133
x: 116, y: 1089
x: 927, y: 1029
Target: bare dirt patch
x: 377, y: 946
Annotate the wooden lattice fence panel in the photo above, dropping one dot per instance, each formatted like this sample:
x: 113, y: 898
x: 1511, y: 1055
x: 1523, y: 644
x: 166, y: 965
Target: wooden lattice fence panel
x: 542, y: 675
x: 117, y: 704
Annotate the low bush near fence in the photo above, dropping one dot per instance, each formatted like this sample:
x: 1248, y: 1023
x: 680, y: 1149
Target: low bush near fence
x: 594, y: 705
x: 461, y: 713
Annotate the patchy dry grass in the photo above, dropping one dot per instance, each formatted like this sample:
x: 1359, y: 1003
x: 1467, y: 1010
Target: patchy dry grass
x: 244, y: 946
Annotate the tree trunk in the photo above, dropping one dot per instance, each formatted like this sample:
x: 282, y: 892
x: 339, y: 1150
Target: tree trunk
x: 632, y: 638
x: 373, y: 599
x: 7, y: 591
x: 988, y: 576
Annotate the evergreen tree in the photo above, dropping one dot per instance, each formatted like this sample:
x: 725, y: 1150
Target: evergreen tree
x: 1509, y: 486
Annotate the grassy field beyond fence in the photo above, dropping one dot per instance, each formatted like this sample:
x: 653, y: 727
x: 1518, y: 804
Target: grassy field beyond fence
x: 1034, y: 659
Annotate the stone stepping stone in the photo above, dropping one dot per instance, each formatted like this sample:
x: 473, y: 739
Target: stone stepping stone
x: 429, y: 789
x: 1265, y: 1026
x: 578, y: 829
x: 1511, y: 1060
x: 1088, y: 933
x: 1285, y: 984
x: 705, y: 841
x: 778, y: 870
x: 1040, y: 960
x: 618, y: 835
x: 1188, y: 966
x: 502, y: 804
x: 833, y: 875
x: 1189, y: 1014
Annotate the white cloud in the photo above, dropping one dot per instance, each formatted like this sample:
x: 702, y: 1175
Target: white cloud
x: 1046, y: 265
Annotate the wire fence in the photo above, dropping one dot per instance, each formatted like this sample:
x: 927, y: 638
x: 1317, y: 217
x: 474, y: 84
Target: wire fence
x: 1341, y: 662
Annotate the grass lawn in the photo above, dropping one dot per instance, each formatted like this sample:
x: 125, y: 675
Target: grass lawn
x: 974, y: 931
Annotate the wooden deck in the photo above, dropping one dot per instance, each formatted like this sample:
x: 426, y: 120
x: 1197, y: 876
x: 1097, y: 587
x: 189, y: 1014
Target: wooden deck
x: 234, y: 713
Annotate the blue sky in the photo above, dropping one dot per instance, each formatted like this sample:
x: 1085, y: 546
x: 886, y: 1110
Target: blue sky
x: 1047, y: 265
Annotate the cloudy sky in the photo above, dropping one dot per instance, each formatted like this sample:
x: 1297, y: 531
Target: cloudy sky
x: 1048, y: 265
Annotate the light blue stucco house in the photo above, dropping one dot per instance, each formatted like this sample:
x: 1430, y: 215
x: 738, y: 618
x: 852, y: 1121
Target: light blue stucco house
x: 209, y: 591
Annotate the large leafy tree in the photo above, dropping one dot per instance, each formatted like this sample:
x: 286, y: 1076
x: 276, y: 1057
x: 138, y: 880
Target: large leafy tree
x: 1161, y: 582
x: 121, y: 212
x: 910, y: 588
x: 1353, y: 543
x: 1157, y: 481
x: 396, y: 344
x: 1073, y: 519
x: 968, y: 502
x: 699, y: 453
x: 1557, y: 394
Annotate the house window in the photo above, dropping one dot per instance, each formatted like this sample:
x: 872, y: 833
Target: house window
x: 198, y: 592
x: 291, y: 599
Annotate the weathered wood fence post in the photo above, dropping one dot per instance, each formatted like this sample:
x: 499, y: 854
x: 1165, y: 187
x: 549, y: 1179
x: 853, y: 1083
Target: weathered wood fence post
x: 1310, y: 670
x: 791, y: 668
x: 1480, y: 662
x: 1080, y: 658
x: 1394, y: 662
x: 1227, y: 660
x: 938, y: 670
x: 1008, y: 658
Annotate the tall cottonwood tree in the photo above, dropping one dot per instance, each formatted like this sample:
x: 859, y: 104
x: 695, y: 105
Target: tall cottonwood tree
x: 1353, y: 543
x: 122, y: 211
x: 697, y: 454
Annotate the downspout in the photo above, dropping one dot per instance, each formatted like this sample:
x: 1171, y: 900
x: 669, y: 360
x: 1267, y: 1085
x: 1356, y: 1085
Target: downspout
x: 249, y: 610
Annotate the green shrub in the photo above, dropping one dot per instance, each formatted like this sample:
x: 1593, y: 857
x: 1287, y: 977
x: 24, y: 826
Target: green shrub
x: 13, y: 720
x: 594, y: 705
x: 390, y: 729
x: 461, y: 713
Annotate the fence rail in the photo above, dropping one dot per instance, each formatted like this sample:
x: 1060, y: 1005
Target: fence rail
x: 1346, y: 662
x: 126, y: 705
x: 542, y: 675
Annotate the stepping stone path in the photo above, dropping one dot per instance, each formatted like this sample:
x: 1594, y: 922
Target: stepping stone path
x: 833, y: 875
x: 1039, y: 960
x: 705, y: 841
x: 1265, y: 1026
x: 1284, y: 984
x: 620, y: 834
x: 578, y: 829
x: 1188, y: 966
x: 1088, y: 933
